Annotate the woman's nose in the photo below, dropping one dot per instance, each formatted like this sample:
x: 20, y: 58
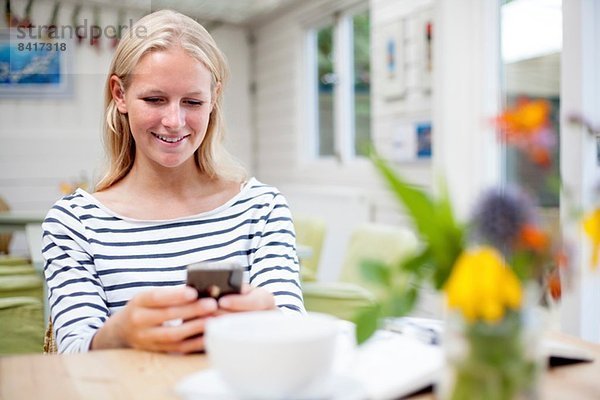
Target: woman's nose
x: 174, y: 117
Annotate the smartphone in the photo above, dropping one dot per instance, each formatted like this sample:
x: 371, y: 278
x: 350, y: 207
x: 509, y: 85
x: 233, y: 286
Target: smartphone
x: 215, y: 280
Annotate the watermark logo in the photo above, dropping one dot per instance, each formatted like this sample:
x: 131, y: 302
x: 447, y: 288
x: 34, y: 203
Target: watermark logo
x: 81, y: 32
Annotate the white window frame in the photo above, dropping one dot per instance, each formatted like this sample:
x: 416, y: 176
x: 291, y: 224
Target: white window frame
x: 343, y: 108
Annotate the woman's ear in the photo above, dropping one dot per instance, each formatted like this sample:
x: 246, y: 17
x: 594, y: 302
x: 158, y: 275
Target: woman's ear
x: 118, y: 94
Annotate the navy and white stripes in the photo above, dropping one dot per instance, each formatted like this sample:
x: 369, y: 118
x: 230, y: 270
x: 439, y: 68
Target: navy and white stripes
x: 96, y: 260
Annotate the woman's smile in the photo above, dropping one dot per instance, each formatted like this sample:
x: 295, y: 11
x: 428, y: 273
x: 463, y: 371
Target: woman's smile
x: 172, y: 140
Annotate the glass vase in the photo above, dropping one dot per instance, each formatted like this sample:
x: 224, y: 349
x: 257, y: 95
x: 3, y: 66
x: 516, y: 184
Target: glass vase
x: 494, y: 361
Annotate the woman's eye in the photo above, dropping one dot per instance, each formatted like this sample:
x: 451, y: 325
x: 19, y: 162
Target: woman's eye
x: 194, y: 102
x: 152, y: 100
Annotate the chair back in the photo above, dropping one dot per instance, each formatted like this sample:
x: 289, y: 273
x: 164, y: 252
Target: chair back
x: 50, y: 346
x: 22, y: 327
x: 388, y: 244
x: 34, y: 232
x: 310, y: 232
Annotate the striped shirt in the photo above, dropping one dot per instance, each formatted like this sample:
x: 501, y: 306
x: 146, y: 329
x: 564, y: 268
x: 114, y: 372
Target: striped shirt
x: 97, y: 260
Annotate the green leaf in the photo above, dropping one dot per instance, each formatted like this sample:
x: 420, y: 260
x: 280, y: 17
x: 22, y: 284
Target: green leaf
x: 419, y: 265
x: 553, y: 183
x: 367, y: 322
x: 417, y: 203
x: 434, y: 221
x: 401, y: 304
x: 521, y: 263
x: 376, y: 272
x: 449, y: 241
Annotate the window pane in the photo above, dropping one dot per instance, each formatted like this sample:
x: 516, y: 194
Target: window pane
x: 326, y: 93
x: 520, y: 170
x: 531, y: 50
x: 362, y: 83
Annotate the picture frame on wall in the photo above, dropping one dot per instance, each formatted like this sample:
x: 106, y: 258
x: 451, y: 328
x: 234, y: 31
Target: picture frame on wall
x: 393, y: 80
x: 425, y: 43
x: 32, y: 67
x: 423, y: 136
x: 412, y: 141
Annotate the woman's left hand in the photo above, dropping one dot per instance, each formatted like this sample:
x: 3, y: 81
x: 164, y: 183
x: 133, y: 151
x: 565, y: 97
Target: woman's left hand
x: 250, y: 299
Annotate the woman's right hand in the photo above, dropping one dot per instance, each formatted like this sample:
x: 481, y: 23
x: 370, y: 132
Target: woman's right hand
x: 141, y: 323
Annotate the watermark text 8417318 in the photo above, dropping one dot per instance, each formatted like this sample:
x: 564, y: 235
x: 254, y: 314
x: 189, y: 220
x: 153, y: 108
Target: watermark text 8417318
x: 41, y: 46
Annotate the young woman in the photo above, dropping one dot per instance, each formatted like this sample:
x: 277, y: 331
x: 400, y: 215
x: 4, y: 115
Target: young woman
x: 116, y: 258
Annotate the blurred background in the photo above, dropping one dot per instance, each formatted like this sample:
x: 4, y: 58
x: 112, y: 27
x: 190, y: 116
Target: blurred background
x: 314, y: 86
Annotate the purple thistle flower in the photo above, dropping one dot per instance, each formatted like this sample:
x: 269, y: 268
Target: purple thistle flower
x: 500, y: 215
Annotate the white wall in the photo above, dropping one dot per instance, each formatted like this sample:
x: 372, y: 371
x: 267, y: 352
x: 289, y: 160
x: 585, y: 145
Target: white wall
x: 233, y: 41
x: 468, y: 93
x: 393, y: 118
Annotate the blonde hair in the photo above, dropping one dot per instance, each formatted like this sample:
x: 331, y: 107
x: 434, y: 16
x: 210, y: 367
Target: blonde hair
x: 160, y: 31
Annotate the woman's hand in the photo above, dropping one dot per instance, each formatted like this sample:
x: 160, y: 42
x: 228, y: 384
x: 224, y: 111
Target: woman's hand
x: 250, y: 299
x: 141, y: 324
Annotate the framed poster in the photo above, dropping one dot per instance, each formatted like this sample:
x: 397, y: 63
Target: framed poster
x: 32, y: 67
x: 412, y: 141
x: 423, y: 134
x: 425, y: 43
x: 394, y: 74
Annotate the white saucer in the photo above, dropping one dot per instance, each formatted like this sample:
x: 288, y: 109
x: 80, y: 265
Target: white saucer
x: 208, y: 384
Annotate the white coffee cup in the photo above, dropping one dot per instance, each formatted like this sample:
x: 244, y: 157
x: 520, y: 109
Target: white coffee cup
x: 271, y: 355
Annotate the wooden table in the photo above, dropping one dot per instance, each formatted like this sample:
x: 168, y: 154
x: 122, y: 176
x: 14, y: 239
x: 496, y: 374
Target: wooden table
x: 131, y: 374
x: 104, y: 374
x: 579, y: 381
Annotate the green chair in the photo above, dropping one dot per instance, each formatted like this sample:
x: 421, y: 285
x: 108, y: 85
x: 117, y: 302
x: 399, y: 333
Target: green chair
x: 310, y: 233
x: 384, y: 243
x: 13, y: 260
x: 24, y: 269
x: 27, y: 285
x: 34, y: 233
x: 341, y: 299
x: 352, y: 293
x: 21, y: 325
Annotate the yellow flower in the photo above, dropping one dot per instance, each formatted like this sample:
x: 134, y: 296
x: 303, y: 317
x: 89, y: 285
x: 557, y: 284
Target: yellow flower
x: 482, y: 286
x: 591, y: 226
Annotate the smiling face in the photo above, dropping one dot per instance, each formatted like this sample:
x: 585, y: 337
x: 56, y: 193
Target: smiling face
x: 168, y: 104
